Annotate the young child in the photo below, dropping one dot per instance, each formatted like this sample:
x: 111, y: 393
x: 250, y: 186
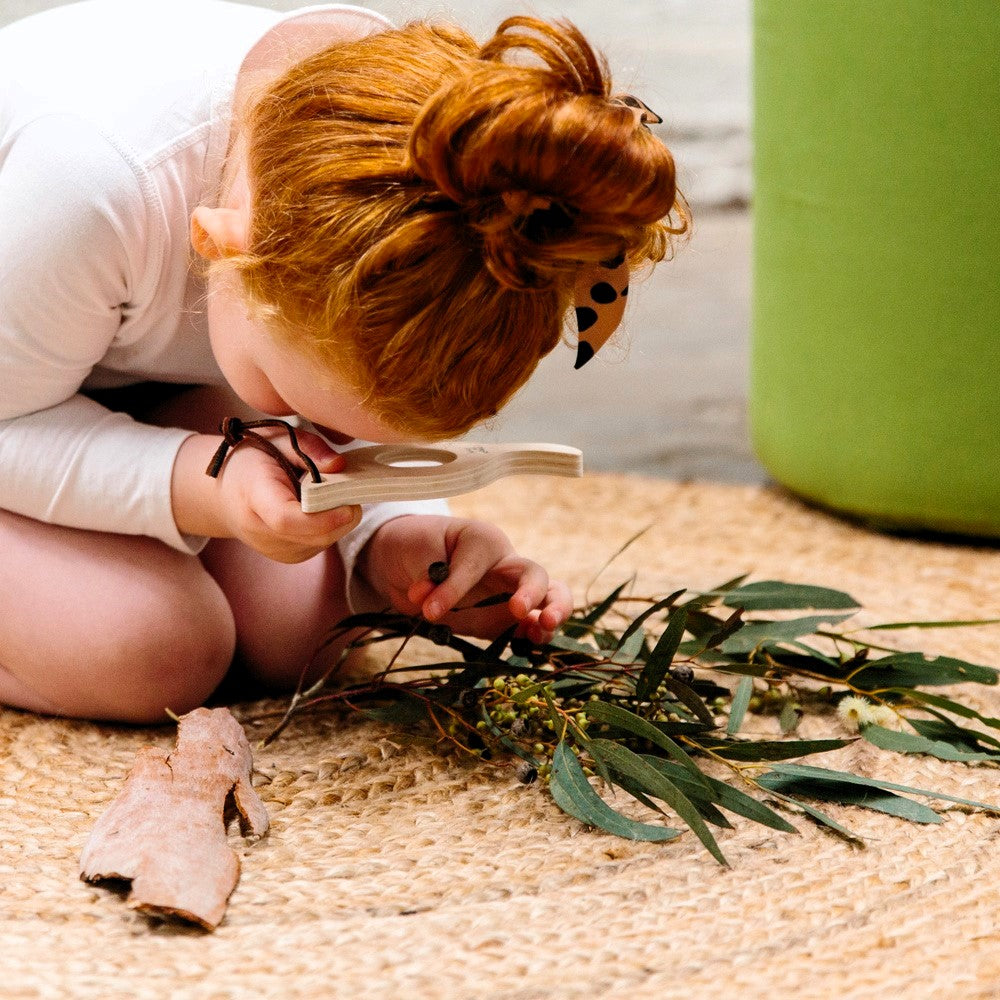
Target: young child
x: 387, y: 226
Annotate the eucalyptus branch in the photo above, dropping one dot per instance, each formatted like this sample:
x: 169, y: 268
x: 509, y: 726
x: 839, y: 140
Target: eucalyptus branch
x: 640, y: 706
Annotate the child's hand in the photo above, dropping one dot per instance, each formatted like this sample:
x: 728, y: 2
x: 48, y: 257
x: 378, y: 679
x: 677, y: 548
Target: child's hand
x: 481, y: 563
x: 252, y: 499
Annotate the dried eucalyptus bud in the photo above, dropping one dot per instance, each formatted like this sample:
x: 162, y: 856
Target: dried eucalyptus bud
x: 526, y: 773
x: 437, y: 572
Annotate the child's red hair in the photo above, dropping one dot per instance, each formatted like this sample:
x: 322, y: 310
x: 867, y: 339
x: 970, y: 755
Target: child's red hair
x: 392, y: 228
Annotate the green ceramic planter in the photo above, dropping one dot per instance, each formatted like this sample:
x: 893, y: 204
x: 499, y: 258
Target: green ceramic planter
x: 875, y: 372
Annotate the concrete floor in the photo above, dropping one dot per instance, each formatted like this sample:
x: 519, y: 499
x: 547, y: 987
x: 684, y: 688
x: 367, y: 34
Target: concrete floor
x: 667, y: 397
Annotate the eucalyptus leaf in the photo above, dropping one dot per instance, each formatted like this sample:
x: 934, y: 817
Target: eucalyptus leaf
x: 641, y: 619
x: 662, y: 655
x: 948, y: 704
x: 809, y: 771
x: 702, y: 797
x: 818, y: 815
x: 729, y: 627
x: 945, y: 624
x: 767, y: 750
x: 683, y: 728
x: 889, y: 739
x: 600, y: 609
x: 628, y: 651
x: 574, y: 795
x: 528, y: 692
x: 572, y: 645
x: 741, y: 700
x: 628, y: 721
x: 773, y: 595
x: 625, y: 783
x: 496, y: 648
x: 916, y: 670
x: 851, y: 795
x: 708, y: 597
x: 655, y: 783
x: 942, y: 728
x: 790, y: 716
x: 690, y: 699
x: 813, y: 654
x: 762, y: 633
x: 702, y: 625
x: 746, y: 805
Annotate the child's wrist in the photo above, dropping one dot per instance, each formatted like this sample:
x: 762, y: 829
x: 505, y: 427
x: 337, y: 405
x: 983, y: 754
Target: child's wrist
x: 194, y: 496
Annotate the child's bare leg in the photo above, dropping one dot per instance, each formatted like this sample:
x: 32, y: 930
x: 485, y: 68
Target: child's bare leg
x: 283, y: 611
x: 106, y: 626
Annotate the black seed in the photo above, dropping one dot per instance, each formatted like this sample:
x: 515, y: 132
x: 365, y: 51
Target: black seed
x: 438, y: 572
x: 526, y: 773
x: 603, y: 292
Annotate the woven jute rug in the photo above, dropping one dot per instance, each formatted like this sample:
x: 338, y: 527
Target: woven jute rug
x: 393, y: 870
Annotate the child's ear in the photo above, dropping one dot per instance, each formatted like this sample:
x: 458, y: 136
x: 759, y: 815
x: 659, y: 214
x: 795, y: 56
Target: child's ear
x: 218, y: 232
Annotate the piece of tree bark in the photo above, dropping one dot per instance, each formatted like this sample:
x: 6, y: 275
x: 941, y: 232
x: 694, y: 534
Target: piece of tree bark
x: 166, y: 830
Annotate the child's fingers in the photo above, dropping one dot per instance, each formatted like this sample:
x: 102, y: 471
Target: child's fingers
x: 558, y: 606
x: 531, y: 580
x: 464, y: 574
x: 540, y: 624
x: 281, y: 516
x: 532, y: 589
x: 419, y: 591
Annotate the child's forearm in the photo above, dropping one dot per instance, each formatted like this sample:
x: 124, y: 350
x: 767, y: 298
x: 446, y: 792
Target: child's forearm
x: 79, y: 465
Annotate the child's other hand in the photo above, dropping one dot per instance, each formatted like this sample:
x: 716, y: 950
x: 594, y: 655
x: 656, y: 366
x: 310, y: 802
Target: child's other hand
x: 481, y: 563
x: 252, y: 499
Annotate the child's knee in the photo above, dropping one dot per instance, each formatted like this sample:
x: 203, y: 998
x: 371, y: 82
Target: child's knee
x: 175, y: 652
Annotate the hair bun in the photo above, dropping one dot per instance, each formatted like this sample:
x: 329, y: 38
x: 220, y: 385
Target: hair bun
x: 543, y: 167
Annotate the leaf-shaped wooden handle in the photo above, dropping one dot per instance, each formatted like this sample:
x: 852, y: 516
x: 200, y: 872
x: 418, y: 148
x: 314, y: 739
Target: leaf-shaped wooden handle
x: 419, y: 472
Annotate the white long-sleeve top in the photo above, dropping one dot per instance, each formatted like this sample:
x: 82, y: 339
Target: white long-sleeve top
x: 114, y: 122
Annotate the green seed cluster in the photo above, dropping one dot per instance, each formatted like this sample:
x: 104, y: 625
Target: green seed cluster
x: 516, y: 708
x: 771, y: 701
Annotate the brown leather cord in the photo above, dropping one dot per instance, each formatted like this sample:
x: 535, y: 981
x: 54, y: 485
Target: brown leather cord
x: 236, y: 432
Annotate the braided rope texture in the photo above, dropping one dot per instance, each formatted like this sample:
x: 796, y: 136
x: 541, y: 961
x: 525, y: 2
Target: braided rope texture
x: 394, y: 870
